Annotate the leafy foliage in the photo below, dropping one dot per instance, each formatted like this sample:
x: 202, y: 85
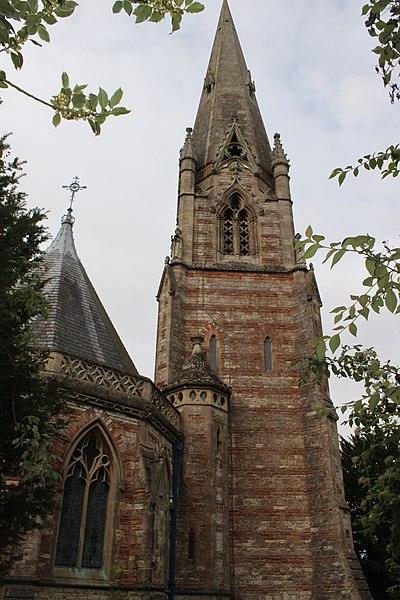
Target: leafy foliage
x: 30, y: 405
x: 23, y: 21
x: 371, y: 471
x: 383, y: 23
x: 387, y: 162
x: 382, y: 281
x: 155, y: 11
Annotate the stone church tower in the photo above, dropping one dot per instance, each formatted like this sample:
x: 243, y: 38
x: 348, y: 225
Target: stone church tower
x: 261, y: 507
x: 220, y: 481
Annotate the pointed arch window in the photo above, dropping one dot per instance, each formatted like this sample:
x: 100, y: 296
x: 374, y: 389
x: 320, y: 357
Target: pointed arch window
x: 213, y: 353
x: 87, y: 483
x: 267, y: 355
x: 236, y: 228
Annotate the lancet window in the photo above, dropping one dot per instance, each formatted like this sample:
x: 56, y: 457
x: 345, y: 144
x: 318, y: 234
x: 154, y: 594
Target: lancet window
x: 213, y: 353
x: 236, y: 227
x: 267, y: 355
x: 87, y: 483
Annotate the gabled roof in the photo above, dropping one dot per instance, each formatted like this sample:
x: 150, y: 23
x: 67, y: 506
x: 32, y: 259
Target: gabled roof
x: 77, y: 322
x: 228, y: 95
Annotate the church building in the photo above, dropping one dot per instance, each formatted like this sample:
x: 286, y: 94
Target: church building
x: 219, y: 480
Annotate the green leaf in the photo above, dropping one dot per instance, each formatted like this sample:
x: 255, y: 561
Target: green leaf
x: 334, y: 343
x: 311, y: 251
x: 391, y: 301
x: 102, y: 98
x: 120, y: 110
x: 353, y: 329
x: 195, y: 7
x: 93, y: 101
x: 342, y: 177
x: 320, y: 349
x: 64, y: 12
x: 116, y: 97
x: 78, y: 100
x: 43, y: 33
x: 117, y: 7
x: 176, y: 22
x: 370, y: 266
x: 56, y: 119
x: 309, y: 232
x: 65, y: 80
x: 338, y: 255
x: 156, y: 17
x: 128, y: 7
x: 142, y: 13
x: 49, y: 19
x: 17, y: 59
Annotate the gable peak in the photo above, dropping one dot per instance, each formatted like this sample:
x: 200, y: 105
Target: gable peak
x: 235, y: 147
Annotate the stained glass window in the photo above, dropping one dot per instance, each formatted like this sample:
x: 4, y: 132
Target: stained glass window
x: 84, y: 509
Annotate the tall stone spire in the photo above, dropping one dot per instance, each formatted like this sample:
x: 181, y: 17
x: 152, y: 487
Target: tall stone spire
x: 228, y: 94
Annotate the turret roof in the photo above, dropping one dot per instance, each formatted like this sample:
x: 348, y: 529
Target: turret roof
x: 228, y: 94
x: 196, y: 372
x: 77, y: 322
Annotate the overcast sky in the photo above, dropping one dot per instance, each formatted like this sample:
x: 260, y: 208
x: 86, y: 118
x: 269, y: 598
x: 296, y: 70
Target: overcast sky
x: 314, y: 72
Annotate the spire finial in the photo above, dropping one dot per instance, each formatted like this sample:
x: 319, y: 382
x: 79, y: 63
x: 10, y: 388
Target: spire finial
x: 197, y: 341
x: 278, y: 153
x: 187, y: 150
x: 74, y: 188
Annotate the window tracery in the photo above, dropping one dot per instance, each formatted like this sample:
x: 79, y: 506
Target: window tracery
x: 87, y: 483
x: 236, y: 228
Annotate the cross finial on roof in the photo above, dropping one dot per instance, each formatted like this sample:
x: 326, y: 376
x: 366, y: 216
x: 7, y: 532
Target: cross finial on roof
x: 74, y: 188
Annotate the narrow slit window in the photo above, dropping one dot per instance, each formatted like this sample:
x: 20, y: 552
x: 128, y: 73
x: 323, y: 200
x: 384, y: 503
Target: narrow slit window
x: 267, y: 355
x: 213, y: 353
x: 219, y: 442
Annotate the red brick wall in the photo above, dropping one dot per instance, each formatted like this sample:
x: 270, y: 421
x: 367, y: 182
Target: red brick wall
x: 288, y: 534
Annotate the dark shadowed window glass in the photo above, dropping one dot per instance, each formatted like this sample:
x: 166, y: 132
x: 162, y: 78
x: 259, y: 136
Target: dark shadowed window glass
x: 268, y: 355
x: 84, y: 509
x: 236, y: 227
x: 213, y: 353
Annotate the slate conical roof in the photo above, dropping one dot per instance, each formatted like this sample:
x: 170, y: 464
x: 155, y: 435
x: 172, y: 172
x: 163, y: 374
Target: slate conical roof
x: 228, y: 94
x: 77, y: 322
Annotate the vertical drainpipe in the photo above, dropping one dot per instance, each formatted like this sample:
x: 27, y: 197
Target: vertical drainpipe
x: 176, y: 452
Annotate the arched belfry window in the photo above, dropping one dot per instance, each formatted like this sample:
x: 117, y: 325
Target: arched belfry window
x: 236, y: 227
x: 267, y: 355
x: 83, y: 517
